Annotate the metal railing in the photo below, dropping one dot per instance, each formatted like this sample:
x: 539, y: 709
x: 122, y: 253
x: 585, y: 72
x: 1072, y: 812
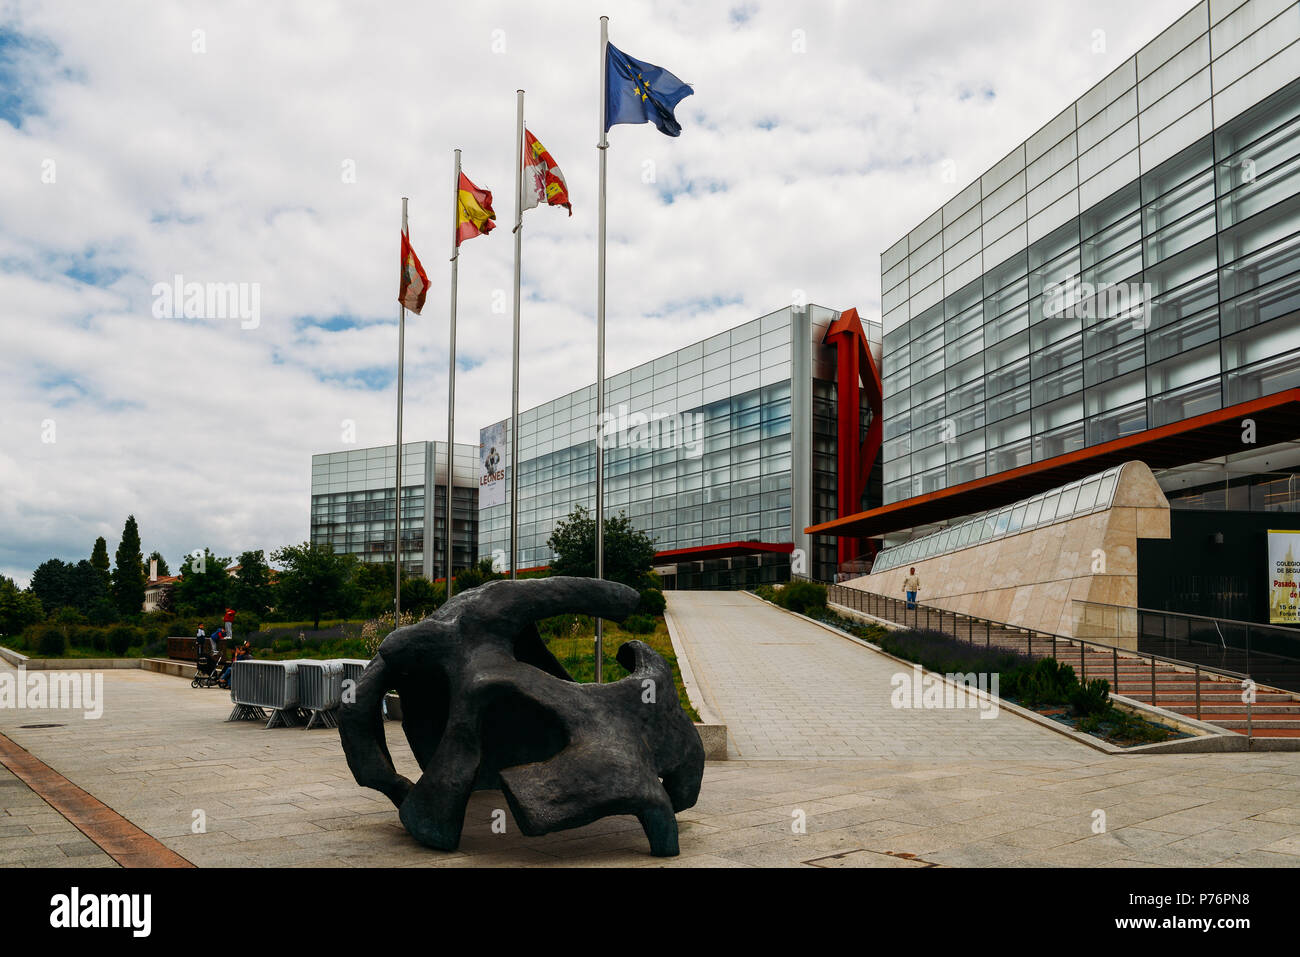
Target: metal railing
x: 353, y: 669
x: 320, y: 690
x: 265, y: 684
x: 1036, y: 644
x: 1259, y: 650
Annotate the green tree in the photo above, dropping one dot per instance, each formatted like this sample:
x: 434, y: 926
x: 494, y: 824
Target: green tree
x: 628, y: 553
x: 52, y: 585
x: 251, y: 589
x: 472, y: 577
x: 99, y: 559
x: 421, y: 596
x: 204, y: 587
x: 90, y: 594
x: 372, y: 588
x: 128, y: 576
x: 18, y: 608
x: 156, y: 555
x: 314, y: 580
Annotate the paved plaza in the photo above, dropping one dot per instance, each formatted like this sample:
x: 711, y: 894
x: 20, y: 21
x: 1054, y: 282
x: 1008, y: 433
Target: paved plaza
x: 825, y: 775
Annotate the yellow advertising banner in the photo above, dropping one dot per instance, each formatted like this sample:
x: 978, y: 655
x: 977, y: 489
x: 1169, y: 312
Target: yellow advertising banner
x: 1284, y: 572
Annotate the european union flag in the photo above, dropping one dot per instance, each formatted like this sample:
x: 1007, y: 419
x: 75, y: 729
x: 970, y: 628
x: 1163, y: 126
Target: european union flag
x: 639, y: 92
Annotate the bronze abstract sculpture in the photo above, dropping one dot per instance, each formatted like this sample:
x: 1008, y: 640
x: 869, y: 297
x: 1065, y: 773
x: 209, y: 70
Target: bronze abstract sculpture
x: 485, y: 705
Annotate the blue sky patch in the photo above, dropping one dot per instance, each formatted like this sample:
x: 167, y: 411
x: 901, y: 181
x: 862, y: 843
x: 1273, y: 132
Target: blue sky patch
x: 17, y: 86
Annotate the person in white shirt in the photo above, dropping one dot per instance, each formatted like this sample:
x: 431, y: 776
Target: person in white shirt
x: 911, y: 585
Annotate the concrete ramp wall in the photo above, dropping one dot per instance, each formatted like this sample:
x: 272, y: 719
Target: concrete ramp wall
x: 1030, y: 578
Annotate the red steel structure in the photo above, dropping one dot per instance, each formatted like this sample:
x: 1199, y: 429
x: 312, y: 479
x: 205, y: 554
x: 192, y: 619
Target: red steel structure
x: 856, y: 373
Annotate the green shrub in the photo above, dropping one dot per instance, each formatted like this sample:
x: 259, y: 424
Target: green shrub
x: 120, y: 639
x: 639, y: 624
x: 67, y: 615
x: 51, y: 643
x: 765, y: 592
x: 1129, y: 728
x: 1089, y: 724
x: 561, y: 626
x: 1048, y: 683
x: 652, y: 603
x: 1092, y: 698
x: 802, y: 597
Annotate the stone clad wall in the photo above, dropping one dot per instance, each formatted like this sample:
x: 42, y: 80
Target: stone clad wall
x: 1030, y: 578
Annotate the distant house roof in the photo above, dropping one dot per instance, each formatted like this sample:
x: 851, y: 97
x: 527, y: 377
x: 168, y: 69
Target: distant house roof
x: 163, y: 580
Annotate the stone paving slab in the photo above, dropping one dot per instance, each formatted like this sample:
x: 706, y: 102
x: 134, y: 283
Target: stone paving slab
x: 33, y: 834
x: 285, y: 798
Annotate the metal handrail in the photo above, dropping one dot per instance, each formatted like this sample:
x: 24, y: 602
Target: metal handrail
x: 1048, y: 634
x: 1197, y: 669
x: 1249, y: 652
x: 1184, y: 614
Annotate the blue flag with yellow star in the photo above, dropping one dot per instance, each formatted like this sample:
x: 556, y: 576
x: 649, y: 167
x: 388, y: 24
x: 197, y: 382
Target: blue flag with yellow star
x: 639, y: 92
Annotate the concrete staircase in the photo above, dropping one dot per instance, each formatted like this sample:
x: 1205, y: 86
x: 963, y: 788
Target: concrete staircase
x: 1185, y: 688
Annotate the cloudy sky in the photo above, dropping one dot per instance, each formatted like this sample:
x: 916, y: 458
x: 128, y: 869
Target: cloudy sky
x: 269, y: 143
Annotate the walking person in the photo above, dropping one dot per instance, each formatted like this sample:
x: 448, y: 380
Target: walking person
x: 911, y: 585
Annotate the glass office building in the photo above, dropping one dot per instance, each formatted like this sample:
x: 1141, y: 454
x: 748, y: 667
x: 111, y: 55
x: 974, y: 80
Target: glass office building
x: 720, y: 451
x: 352, y: 504
x: 1133, y: 264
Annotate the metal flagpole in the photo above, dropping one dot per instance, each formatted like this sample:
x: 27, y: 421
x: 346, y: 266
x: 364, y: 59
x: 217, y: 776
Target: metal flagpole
x: 512, y: 444
x: 603, y: 148
x: 397, y: 491
x: 451, y: 375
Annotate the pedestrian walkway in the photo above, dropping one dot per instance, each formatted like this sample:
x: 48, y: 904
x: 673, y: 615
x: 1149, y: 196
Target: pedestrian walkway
x: 787, y: 688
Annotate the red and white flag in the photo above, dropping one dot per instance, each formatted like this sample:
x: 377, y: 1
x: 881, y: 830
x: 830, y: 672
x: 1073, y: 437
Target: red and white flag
x: 543, y: 181
x: 414, y: 284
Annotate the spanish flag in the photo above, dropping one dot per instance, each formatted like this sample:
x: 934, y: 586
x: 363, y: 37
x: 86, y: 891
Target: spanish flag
x: 475, y: 214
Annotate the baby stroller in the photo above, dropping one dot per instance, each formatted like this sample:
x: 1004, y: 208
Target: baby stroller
x: 207, y: 671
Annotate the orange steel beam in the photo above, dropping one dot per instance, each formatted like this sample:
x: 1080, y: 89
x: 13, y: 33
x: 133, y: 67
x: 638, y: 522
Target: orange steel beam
x: 1276, y: 417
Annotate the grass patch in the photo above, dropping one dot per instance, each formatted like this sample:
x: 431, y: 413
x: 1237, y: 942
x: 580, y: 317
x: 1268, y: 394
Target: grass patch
x: 575, y: 648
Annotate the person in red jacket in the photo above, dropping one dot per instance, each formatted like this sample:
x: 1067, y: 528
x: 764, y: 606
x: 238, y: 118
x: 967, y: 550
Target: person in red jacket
x: 230, y: 623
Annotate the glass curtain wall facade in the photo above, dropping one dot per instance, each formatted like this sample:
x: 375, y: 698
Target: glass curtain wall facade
x: 1135, y: 262
x: 712, y: 444
x: 352, y: 504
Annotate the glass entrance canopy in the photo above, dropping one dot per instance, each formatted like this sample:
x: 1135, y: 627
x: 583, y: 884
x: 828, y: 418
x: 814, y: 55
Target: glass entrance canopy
x: 1082, y: 497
